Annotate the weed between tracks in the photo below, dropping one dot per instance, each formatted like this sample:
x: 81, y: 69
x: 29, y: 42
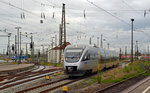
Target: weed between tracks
x: 119, y: 74
x: 51, y: 64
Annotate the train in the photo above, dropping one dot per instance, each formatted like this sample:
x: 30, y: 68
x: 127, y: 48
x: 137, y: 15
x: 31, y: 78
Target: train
x: 79, y: 60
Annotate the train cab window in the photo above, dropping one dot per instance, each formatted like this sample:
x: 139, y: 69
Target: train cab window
x: 73, y: 55
x: 86, y: 56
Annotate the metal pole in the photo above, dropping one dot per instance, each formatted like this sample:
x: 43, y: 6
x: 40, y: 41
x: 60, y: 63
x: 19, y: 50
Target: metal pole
x: 46, y: 55
x: 125, y: 51
x: 8, y: 49
x: 101, y: 41
x: 20, y: 48
x: 97, y: 41
x: 148, y: 53
x: 15, y: 48
x: 33, y: 52
x: 55, y: 49
x: 137, y: 51
x: 64, y: 24
x: 49, y: 53
x: 13, y: 52
x: 32, y: 49
x: 8, y: 43
x: 90, y: 41
x: 52, y: 50
x: 108, y: 45
x: 26, y: 52
x: 120, y: 54
x: 39, y: 56
x: 43, y: 51
x: 60, y: 42
x: 18, y: 40
x: 132, y: 40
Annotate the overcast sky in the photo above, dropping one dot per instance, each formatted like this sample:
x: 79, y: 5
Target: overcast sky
x: 112, y: 18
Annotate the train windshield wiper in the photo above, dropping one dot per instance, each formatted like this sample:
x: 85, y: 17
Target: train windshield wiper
x: 73, y: 57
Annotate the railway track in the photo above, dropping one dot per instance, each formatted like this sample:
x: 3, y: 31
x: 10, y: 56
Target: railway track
x: 26, y: 78
x: 17, y: 74
x: 51, y: 86
x: 106, y: 89
x: 25, y: 81
x: 44, y: 87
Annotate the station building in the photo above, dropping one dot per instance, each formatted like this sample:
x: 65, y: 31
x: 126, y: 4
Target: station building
x: 53, y: 54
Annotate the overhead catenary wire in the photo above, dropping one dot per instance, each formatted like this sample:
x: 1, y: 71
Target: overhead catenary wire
x: 112, y: 15
x: 69, y: 28
x: 19, y: 8
x: 136, y: 11
x: 109, y: 13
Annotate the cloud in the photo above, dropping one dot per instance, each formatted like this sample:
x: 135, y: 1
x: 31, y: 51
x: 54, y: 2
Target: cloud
x: 115, y: 25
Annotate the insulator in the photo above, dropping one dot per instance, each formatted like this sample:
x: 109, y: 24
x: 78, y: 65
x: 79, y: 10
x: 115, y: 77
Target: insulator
x: 84, y: 14
x: 53, y: 15
x: 144, y: 13
x: 44, y: 15
x: 21, y: 15
x: 41, y: 15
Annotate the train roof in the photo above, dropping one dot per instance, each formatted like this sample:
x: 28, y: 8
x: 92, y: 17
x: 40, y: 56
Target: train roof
x: 91, y: 47
x: 76, y: 46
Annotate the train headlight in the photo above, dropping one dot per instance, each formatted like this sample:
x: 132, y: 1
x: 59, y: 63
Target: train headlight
x: 66, y: 58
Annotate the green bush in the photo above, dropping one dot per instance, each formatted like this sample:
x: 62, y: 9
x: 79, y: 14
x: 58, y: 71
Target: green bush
x: 126, y: 69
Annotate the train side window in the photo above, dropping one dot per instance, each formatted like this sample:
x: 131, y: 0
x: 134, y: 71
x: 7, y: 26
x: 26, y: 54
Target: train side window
x: 88, y: 56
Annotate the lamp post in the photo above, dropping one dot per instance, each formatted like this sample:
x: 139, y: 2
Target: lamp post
x: 132, y: 40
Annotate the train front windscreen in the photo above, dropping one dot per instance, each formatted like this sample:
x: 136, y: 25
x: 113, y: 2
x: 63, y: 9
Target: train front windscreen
x: 73, y: 55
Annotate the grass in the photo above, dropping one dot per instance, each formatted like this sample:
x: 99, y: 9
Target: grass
x: 56, y: 64
x: 118, y: 74
x: 146, y: 74
x: 51, y: 64
x: 87, y: 82
x: 115, y: 80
